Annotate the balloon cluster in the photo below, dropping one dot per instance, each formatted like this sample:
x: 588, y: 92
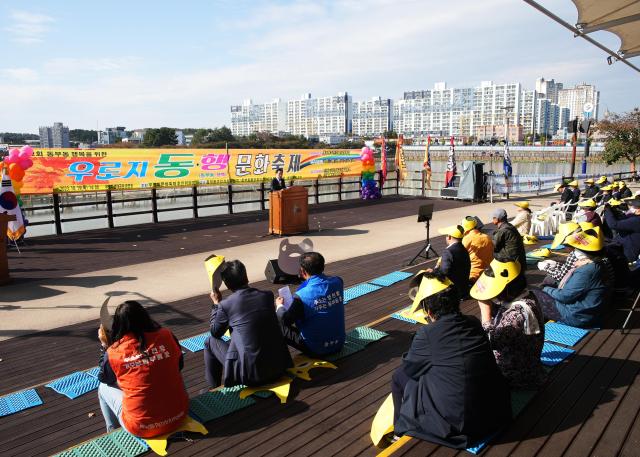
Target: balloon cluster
x: 369, y: 189
x: 17, y: 162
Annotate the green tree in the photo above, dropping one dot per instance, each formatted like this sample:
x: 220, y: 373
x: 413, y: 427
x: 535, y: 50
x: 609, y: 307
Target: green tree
x: 164, y: 136
x: 622, y: 137
x: 200, y: 136
x: 83, y: 136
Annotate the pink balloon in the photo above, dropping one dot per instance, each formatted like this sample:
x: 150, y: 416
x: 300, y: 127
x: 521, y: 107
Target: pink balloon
x: 28, y: 150
x: 25, y: 163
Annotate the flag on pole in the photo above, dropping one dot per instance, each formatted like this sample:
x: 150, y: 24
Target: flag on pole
x: 9, y: 204
x: 383, y: 160
x: 427, y: 161
x: 451, y: 166
x: 399, y: 159
x: 506, y: 161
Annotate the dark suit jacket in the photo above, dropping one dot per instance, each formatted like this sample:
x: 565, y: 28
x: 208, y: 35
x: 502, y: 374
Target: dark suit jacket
x: 508, y: 245
x: 277, y: 184
x: 456, y: 395
x: 456, y: 265
x: 257, y: 352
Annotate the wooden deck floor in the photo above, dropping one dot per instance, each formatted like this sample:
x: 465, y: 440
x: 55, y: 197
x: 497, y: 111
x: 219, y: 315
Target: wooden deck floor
x: 588, y: 407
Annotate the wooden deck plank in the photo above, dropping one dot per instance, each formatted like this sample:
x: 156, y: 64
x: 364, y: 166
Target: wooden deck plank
x: 611, y: 403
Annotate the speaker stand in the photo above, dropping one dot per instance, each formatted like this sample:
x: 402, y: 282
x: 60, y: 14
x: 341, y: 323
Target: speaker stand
x: 425, y: 249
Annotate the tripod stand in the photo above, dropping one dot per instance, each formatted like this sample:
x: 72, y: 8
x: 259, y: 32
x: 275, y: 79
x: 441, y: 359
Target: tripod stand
x: 426, y: 248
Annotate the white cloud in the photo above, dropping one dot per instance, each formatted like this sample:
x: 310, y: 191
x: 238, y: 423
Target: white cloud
x: 19, y: 74
x: 27, y: 28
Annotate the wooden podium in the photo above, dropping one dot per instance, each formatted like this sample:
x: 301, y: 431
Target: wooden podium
x: 4, y: 262
x: 288, y: 211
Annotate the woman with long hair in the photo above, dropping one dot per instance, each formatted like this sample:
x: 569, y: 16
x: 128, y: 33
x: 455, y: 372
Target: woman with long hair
x: 140, y: 382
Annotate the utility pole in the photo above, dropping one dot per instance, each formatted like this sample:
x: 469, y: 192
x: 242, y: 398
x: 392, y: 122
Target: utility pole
x: 575, y: 145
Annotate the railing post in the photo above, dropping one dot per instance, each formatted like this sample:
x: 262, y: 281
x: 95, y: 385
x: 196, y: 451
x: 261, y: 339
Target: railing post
x: 262, y: 206
x: 230, y: 198
x: 194, y: 201
x: 154, y: 205
x: 317, y: 191
x: 56, y: 213
x: 110, y: 210
x: 423, y: 174
x: 340, y: 188
x: 397, y: 182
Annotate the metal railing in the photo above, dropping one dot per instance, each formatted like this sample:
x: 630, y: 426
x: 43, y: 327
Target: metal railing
x: 229, y: 196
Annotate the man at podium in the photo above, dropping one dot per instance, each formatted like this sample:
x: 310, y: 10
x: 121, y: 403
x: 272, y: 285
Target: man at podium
x: 277, y: 183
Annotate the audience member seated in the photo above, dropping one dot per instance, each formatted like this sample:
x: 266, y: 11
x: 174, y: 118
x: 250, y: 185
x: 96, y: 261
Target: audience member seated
x: 625, y: 192
x: 590, y: 189
x: 514, y: 323
x: 278, y: 183
x: 508, y: 244
x: 522, y: 221
x: 557, y: 270
x: 580, y: 298
x: 257, y: 353
x: 589, y: 212
x: 627, y: 228
x: 314, y: 323
x: 455, y: 263
x: 479, y: 246
x: 140, y: 382
x: 448, y: 389
x: 575, y: 197
x: 605, y: 194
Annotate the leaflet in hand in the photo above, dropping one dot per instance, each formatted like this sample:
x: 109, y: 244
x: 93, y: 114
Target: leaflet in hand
x: 285, y: 293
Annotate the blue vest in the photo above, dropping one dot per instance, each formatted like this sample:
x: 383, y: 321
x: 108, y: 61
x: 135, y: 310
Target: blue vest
x: 322, y: 328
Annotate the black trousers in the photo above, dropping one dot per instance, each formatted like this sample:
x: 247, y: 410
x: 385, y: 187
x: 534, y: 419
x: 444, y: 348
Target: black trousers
x: 215, y: 353
x: 399, y: 380
x: 547, y: 303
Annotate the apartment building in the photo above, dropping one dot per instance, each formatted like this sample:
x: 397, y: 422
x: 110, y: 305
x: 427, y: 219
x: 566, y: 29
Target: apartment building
x: 249, y: 118
x: 372, y: 117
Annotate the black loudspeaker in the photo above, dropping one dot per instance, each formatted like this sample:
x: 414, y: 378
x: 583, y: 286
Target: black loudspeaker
x: 275, y: 275
x: 478, y: 185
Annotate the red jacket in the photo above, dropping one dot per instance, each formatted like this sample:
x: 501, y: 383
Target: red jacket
x: 154, y: 400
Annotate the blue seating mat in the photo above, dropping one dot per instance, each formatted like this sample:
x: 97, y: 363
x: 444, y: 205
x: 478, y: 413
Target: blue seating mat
x: 18, y: 401
x: 119, y: 443
x: 553, y: 354
x: 391, y: 278
x: 400, y: 317
x: 75, y: 384
x: 563, y: 334
x: 93, y: 372
x: 559, y: 248
x: 358, y: 291
x: 196, y: 343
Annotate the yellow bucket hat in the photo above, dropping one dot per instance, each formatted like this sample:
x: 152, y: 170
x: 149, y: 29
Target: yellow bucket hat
x: 541, y: 253
x: 622, y: 184
x: 589, y: 181
x: 590, y: 240
x: 529, y: 239
x: 573, y: 183
x: 589, y: 203
x: 428, y: 287
x: 608, y: 187
x: 586, y: 225
x: 494, y: 279
x: 602, y: 179
x: 468, y: 223
x: 557, y: 187
x: 455, y: 231
x: 213, y: 265
x: 523, y: 205
x: 614, y: 202
x: 563, y: 231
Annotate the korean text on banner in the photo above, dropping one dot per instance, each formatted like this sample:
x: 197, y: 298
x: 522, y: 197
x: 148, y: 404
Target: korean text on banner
x: 82, y: 170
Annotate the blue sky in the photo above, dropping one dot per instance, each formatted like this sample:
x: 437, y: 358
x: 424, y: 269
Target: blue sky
x: 146, y: 63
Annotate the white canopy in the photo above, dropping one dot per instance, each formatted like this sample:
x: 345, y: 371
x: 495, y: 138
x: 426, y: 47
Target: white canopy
x: 621, y: 17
